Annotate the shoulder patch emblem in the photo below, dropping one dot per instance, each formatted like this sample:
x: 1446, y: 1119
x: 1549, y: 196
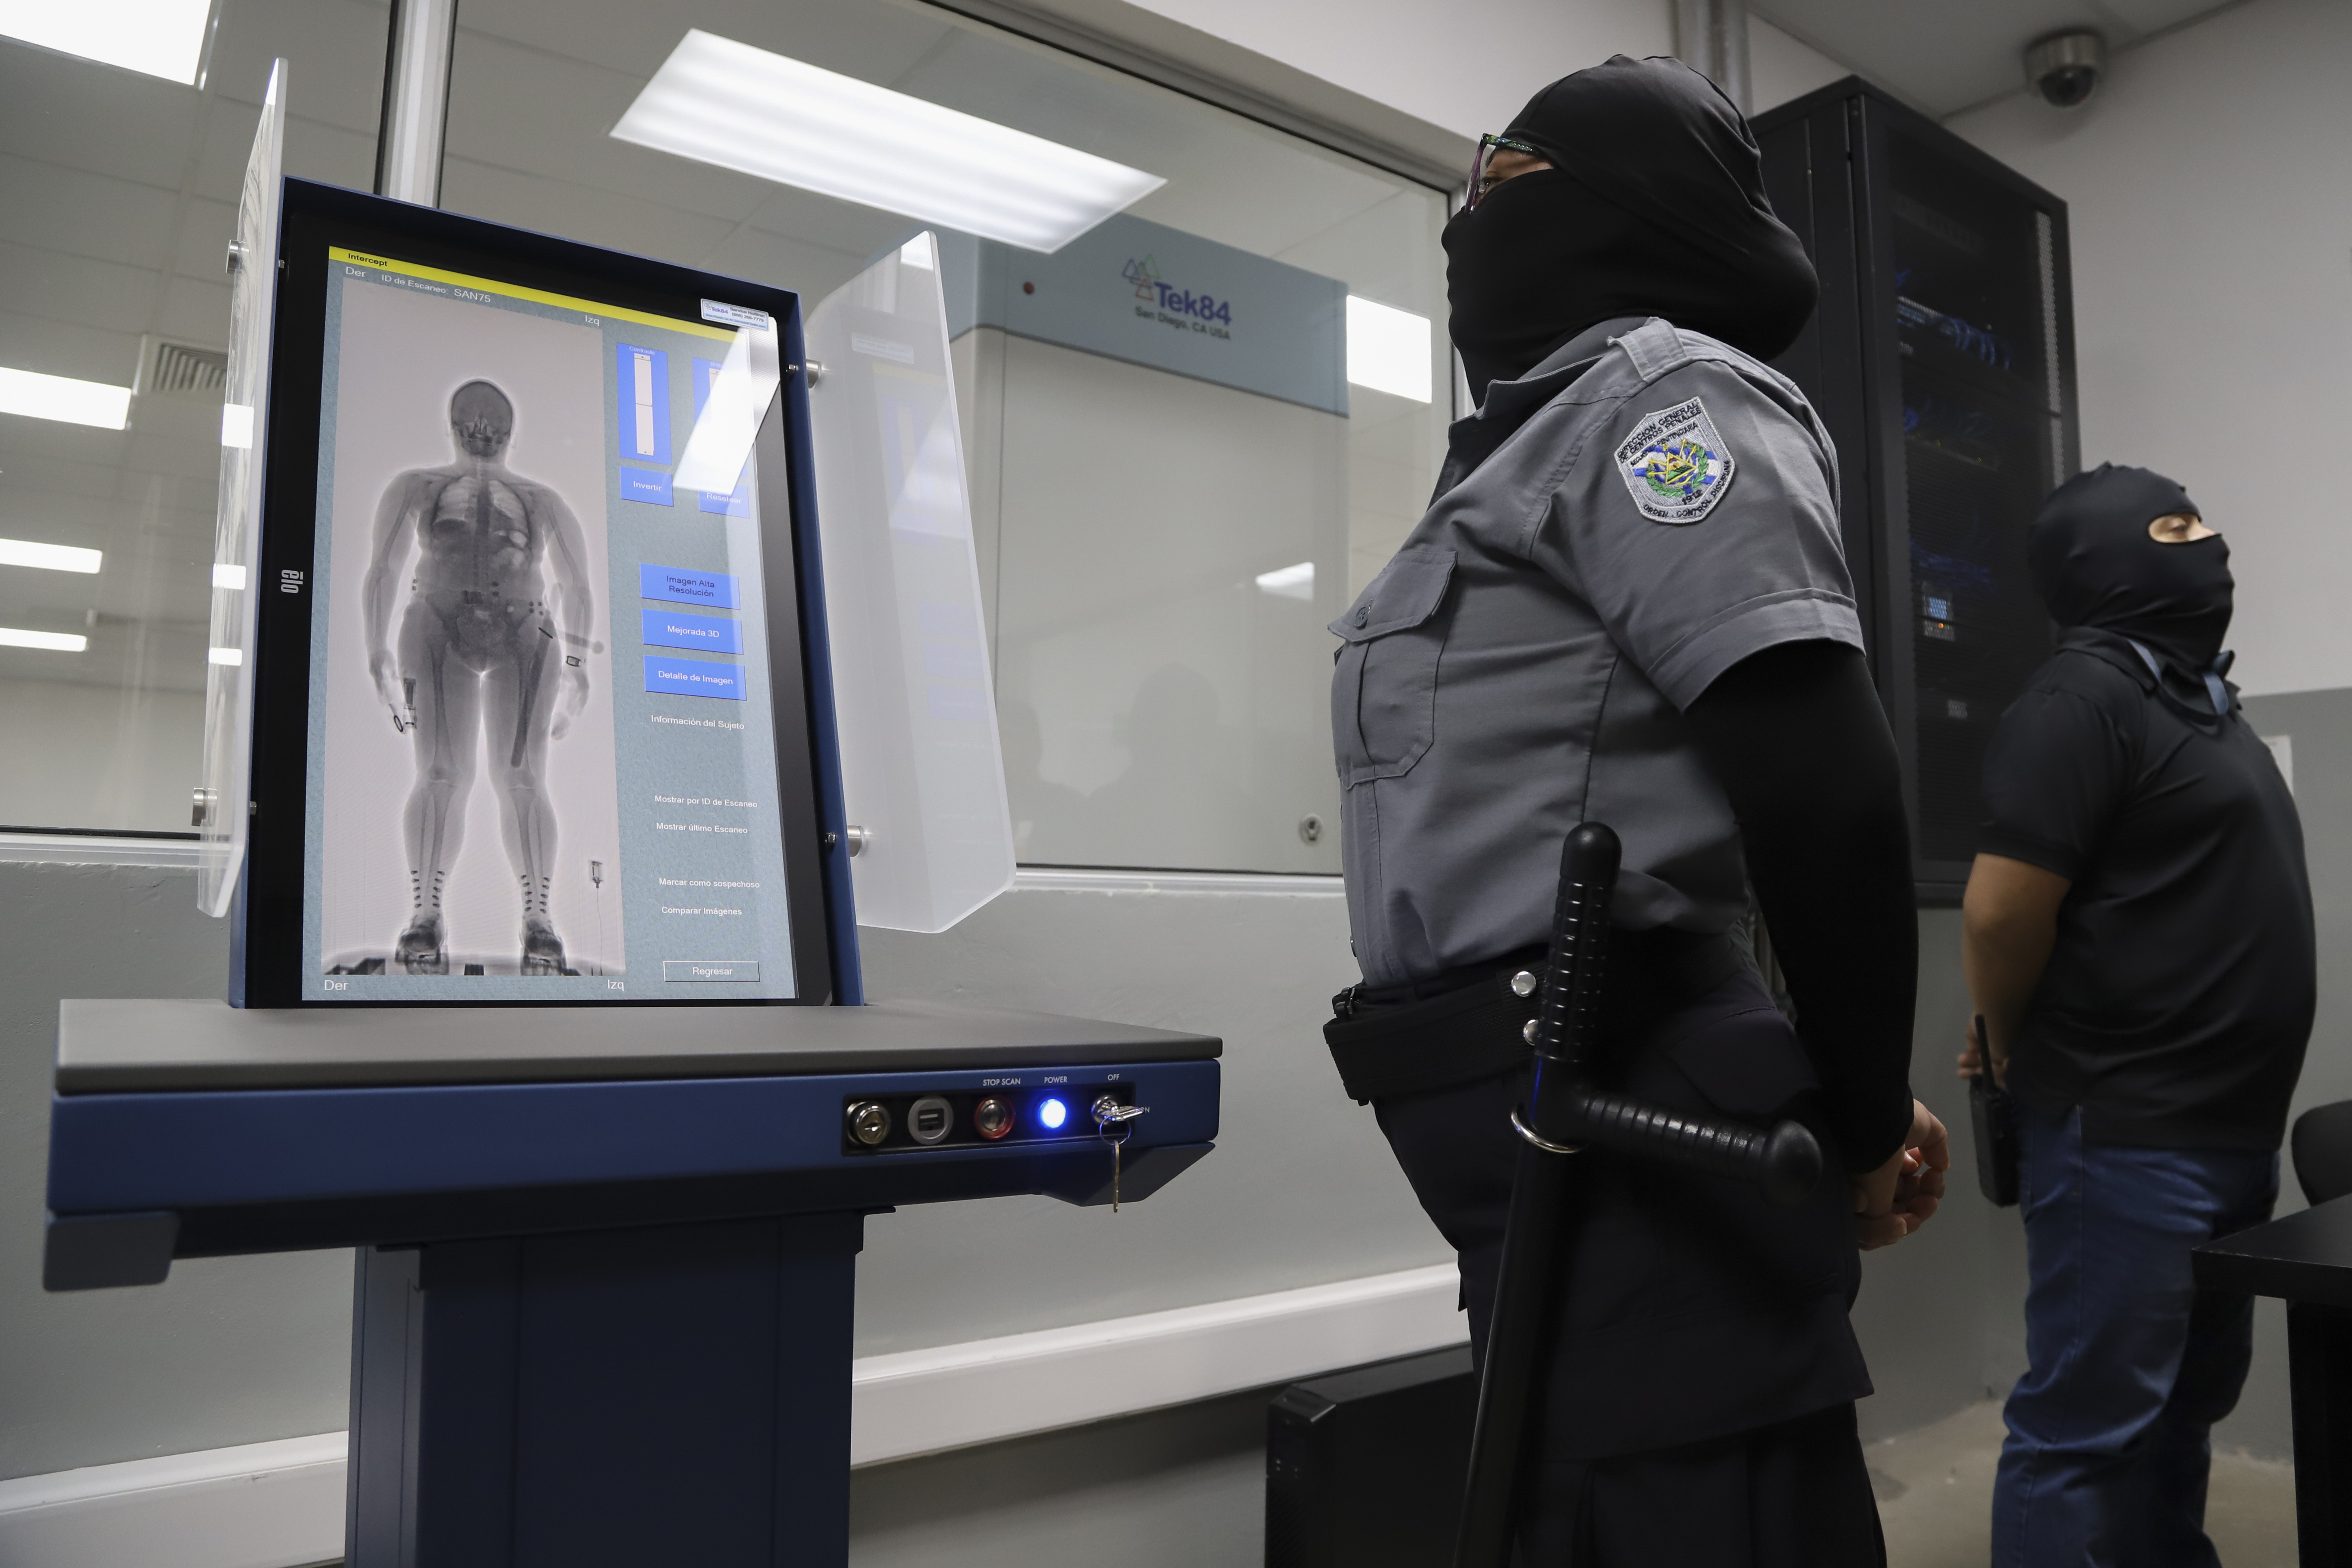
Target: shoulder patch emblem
x: 1675, y: 464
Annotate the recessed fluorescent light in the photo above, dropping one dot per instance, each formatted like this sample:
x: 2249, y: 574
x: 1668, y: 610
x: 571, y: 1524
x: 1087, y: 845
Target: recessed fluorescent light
x: 237, y: 425
x: 1289, y: 582
x: 722, y: 102
x: 229, y: 577
x: 157, y: 37
x: 37, y: 396
x: 51, y: 557
x: 56, y: 642
x: 230, y: 656
x: 1388, y: 349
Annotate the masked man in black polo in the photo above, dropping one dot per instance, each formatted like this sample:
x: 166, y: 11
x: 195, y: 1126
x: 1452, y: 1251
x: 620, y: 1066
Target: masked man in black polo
x: 2138, y: 939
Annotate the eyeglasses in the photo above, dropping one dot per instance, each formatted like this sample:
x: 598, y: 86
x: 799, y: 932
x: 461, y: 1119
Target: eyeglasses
x: 1487, y: 147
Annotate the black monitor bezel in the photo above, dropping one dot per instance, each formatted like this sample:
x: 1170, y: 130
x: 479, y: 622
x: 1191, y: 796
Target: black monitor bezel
x: 268, y: 919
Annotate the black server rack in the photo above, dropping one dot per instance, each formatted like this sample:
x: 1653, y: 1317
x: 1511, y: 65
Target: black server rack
x: 1942, y: 359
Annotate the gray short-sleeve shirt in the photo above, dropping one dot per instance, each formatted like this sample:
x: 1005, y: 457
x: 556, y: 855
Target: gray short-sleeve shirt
x: 1521, y: 664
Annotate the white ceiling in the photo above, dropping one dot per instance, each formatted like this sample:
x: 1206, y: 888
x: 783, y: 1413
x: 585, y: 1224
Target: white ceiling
x: 121, y: 190
x: 538, y: 84
x: 120, y: 193
x: 1944, y: 57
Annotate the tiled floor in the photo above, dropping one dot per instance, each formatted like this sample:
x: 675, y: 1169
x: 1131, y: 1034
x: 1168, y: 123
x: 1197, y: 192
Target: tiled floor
x: 1934, y: 1488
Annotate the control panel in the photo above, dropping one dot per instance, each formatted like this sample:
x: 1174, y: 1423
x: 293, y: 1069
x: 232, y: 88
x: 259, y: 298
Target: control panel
x: 1009, y: 1112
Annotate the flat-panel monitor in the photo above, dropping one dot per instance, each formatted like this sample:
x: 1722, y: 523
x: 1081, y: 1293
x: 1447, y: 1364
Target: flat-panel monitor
x: 536, y: 723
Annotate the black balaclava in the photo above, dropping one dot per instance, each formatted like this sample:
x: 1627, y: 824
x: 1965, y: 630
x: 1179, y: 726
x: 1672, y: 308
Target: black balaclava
x: 2094, y: 565
x: 1654, y: 207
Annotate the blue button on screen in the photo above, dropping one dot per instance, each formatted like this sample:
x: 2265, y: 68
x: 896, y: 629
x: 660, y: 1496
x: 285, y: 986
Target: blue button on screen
x: 679, y: 586
x: 676, y: 629
x: 645, y: 485
x: 641, y: 382
x: 694, y: 678
x: 738, y: 505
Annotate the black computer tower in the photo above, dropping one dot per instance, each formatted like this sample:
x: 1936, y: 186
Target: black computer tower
x: 1942, y: 359
x: 1364, y: 1468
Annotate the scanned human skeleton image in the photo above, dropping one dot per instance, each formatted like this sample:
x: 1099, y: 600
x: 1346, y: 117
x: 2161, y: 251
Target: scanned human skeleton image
x: 487, y: 652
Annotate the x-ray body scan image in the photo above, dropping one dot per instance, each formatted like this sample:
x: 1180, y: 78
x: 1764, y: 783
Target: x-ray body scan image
x: 469, y: 721
x: 500, y: 601
x: 544, y: 756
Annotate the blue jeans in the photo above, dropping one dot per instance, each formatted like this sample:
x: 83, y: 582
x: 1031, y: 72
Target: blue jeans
x: 2130, y: 1365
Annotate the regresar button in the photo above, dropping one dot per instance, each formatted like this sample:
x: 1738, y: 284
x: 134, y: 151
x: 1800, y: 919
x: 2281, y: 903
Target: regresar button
x: 709, y: 972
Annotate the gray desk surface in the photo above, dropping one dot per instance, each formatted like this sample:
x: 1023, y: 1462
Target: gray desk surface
x: 144, y: 1045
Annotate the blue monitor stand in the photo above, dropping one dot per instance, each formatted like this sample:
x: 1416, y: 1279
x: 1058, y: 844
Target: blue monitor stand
x: 607, y: 1258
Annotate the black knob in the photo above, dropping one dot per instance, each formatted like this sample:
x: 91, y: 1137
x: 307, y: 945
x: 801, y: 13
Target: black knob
x: 1792, y: 1166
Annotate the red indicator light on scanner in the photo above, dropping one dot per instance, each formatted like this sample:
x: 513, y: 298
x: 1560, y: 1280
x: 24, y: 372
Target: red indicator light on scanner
x: 993, y: 1117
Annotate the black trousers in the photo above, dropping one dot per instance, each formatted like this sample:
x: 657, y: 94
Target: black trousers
x: 1791, y: 1496
x: 1700, y: 1336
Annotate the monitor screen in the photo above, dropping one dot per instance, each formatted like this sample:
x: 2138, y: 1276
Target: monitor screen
x: 542, y: 766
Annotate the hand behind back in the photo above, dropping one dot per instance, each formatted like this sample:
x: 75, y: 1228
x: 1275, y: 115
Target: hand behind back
x: 1904, y: 1194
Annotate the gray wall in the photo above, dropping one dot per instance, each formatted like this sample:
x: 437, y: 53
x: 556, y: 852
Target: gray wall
x: 1176, y: 1489
x: 241, y: 1350
x: 232, y: 1350
x: 1300, y: 1192
x: 2192, y: 241
x: 1934, y: 1309
x: 2320, y: 725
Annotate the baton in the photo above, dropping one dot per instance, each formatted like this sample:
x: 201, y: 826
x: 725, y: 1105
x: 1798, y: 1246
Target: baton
x: 1562, y: 1114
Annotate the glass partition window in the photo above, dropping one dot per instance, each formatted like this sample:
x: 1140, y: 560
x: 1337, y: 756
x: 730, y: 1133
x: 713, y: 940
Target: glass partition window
x: 1192, y: 433
x: 119, y: 176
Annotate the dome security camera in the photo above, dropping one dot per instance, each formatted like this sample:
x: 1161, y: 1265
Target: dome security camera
x: 2064, y: 66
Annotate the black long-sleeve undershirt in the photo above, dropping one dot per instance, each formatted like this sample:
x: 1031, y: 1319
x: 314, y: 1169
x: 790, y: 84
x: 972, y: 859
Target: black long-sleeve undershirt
x: 1796, y: 735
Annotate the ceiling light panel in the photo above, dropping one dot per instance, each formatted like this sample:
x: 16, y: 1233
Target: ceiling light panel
x: 51, y: 558
x: 1289, y: 582
x: 37, y: 396
x: 155, y: 37
x: 56, y: 642
x: 719, y: 101
x: 1388, y: 349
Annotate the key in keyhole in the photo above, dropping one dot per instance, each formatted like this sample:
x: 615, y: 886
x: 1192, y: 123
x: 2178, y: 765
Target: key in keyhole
x: 1114, y: 1125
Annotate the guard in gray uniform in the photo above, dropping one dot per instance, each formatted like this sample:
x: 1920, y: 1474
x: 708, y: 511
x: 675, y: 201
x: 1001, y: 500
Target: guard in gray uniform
x: 1628, y: 605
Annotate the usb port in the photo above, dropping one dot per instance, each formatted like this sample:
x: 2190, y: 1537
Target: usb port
x: 930, y: 1119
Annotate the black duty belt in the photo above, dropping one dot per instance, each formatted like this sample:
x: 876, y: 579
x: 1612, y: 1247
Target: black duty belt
x: 1471, y: 1023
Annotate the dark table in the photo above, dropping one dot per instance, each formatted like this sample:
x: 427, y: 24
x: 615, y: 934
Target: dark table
x: 2306, y: 1260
